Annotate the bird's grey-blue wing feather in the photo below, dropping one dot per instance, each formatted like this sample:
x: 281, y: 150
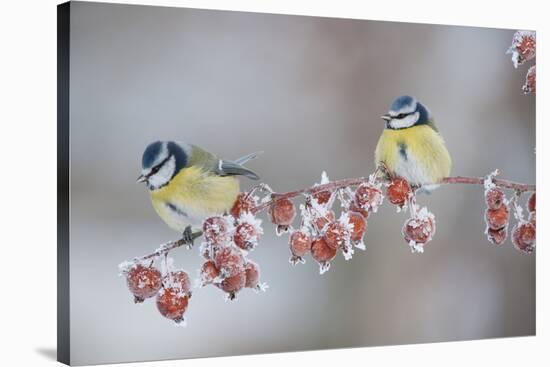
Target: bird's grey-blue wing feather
x: 247, y: 158
x: 230, y: 168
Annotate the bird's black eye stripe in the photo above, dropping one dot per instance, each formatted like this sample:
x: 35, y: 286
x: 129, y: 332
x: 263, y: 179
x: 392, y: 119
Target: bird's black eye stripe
x: 156, y: 168
x: 402, y: 115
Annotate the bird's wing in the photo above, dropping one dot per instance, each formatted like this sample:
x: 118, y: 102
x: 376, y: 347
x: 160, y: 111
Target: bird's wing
x: 247, y: 158
x: 230, y: 168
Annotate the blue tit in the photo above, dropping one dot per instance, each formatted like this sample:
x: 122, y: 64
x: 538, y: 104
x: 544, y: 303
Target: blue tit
x: 188, y: 184
x: 410, y: 145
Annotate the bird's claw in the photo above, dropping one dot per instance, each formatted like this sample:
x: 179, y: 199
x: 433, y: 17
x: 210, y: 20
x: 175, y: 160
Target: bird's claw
x: 188, y: 236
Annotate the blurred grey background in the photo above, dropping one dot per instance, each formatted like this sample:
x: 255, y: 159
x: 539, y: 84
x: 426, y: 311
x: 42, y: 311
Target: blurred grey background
x: 309, y: 92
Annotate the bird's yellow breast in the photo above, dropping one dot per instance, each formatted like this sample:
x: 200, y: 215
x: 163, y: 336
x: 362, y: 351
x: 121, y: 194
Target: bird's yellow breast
x: 417, y: 153
x: 193, y: 195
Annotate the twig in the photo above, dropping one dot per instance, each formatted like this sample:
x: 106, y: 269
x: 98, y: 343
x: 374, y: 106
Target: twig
x: 168, y: 246
x: 348, y: 182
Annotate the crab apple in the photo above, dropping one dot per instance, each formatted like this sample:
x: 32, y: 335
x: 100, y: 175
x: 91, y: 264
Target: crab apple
x: 246, y: 236
x: 300, y: 243
x: 494, y: 198
x: 398, y: 191
x: 353, y: 207
x: 233, y: 284
x: 419, y: 230
x: 252, y: 272
x: 282, y: 212
x: 245, y: 203
x: 323, y: 197
x: 335, y: 235
x: 172, y: 303
x: 497, y: 236
x: 209, y: 272
x: 359, y: 225
x: 216, y: 230
x: 229, y: 261
x: 524, y: 45
x: 143, y: 281
x: 368, y: 197
x: 497, y: 218
x: 524, y: 236
x: 178, y: 280
x: 321, y: 221
x: 322, y: 252
x: 530, y: 85
x: 532, y: 203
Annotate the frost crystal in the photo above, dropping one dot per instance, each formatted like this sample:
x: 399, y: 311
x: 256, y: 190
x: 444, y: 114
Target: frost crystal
x: 361, y: 245
x: 416, y: 247
x: 324, y: 267
x: 488, y: 182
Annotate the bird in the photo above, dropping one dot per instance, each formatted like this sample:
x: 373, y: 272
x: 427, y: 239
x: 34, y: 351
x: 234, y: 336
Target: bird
x: 187, y: 184
x: 411, y: 146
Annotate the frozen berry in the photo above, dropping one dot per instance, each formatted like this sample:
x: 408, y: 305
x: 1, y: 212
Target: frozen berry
x: 143, y: 281
x: 252, y: 271
x: 533, y: 218
x: 359, y: 224
x: 523, y: 47
x: 368, y: 197
x: 419, y: 229
x: 282, y: 212
x: 355, y: 208
x: 233, y: 284
x: 497, y: 218
x: 216, y: 230
x: 178, y: 280
x: 532, y: 203
x: 246, y: 236
x: 321, y: 252
x: 321, y: 221
x: 229, y: 261
x: 335, y: 235
x: 209, y: 272
x: 398, y: 191
x: 300, y: 243
x: 530, y: 85
x: 244, y: 204
x: 172, y: 303
x: 322, y: 197
x: 523, y: 237
x: 494, y: 198
x: 497, y: 236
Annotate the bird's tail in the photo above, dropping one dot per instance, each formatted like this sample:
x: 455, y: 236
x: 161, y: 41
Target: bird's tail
x: 247, y: 158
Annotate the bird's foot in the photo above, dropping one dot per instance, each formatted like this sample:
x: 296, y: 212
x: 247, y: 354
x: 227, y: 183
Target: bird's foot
x: 188, y: 236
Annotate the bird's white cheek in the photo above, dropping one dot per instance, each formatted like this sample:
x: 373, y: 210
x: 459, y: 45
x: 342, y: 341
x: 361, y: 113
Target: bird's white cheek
x: 163, y: 176
x: 406, y: 121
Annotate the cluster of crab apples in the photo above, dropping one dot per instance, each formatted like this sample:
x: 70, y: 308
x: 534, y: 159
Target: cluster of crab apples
x: 228, y: 239
x: 171, y: 291
x: 497, y: 217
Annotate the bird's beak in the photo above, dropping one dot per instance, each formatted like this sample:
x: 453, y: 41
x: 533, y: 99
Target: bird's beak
x: 141, y: 178
x: 386, y: 117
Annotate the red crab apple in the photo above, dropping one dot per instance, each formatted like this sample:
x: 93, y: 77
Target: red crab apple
x: 143, y: 281
x: 172, y: 303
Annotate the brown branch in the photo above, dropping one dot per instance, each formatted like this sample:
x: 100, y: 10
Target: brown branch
x: 167, y: 247
x: 498, y: 182
x: 335, y: 185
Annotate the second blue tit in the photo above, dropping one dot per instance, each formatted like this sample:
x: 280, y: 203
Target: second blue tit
x: 411, y: 146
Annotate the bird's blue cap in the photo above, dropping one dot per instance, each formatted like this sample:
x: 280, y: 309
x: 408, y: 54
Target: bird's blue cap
x: 403, y: 104
x: 150, y: 154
